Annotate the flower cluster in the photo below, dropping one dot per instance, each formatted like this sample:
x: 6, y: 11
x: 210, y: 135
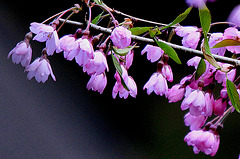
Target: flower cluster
x: 195, y: 91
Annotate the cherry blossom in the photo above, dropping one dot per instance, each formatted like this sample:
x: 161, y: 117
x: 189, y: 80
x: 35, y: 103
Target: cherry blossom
x: 121, y: 37
x: 46, y: 33
x: 156, y: 83
x: 40, y: 69
x: 153, y: 52
x: 191, y: 36
x: 97, y: 82
x: 205, y: 141
x: 22, y: 52
x: 118, y: 87
x: 195, y: 122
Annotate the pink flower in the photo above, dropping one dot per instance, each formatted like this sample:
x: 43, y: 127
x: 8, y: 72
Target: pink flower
x: 82, y: 51
x: 219, y: 106
x: 205, y: 141
x: 176, y: 93
x: 121, y: 37
x: 97, y: 82
x: 167, y: 72
x: 232, y: 33
x: 21, y: 53
x: 118, y: 88
x: 234, y: 16
x: 156, y: 83
x: 66, y: 44
x: 221, y: 76
x: 195, y: 101
x: 194, y: 61
x: 153, y: 52
x: 191, y: 36
x: 40, y: 69
x: 209, y: 101
x: 214, y: 39
x: 195, y: 122
x: 129, y: 59
x: 97, y: 65
x: 46, y: 33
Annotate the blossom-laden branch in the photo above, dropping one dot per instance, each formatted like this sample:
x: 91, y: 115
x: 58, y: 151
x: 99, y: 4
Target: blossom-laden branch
x: 213, y: 68
x: 233, y: 61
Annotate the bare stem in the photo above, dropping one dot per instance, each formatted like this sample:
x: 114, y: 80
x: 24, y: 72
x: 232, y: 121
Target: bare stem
x: 235, y: 62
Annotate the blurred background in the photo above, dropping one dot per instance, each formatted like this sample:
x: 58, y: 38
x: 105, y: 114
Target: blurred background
x: 63, y: 120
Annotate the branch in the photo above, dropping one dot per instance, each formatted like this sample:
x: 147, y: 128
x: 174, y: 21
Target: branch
x: 235, y: 62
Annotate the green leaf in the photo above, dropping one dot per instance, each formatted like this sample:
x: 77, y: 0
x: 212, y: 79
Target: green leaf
x: 119, y: 70
x: 179, y: 18
x: 200, y: 69
x: 169, y: 51
x: 140, y: 30
x: 227, y: 42
x: 123, y: 52
x: 208, y: 55
x: 205, y: 19
x: 154, y: 32
x: 233, y: 95
x: 97, y: 18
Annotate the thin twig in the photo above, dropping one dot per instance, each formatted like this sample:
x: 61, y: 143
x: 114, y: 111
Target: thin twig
x: 235, y: 62
x: 138, y: 19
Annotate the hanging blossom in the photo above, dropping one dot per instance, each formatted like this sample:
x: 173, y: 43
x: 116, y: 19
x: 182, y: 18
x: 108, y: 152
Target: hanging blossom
x: 191, y: 36
x: 46, y: 33
x: 202, y: 140
x: 118, y: 87
x: 40, y: 69
x: 154, y: 53
x: 158, y: 80
x: 22, y: 53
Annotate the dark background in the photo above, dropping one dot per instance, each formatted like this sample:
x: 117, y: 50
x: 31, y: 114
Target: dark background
x: 63, y: 120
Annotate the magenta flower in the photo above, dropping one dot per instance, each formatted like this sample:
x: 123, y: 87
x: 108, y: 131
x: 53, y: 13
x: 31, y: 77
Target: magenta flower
x: 153, y: 52
x: 97, y: 65
x: 156, y: 83
x: 97, y: 82
x: 40, y: 69
x: 214, y: 39
x: 21, y: 53
x: 195, y: 101
x: 82, y: 51
x: 195, y: 122
x: 191, y: 36
x: 167, y: 72
x: 205, y: 141
x: 234, y: 16
x: 46, y: 33
x: 232, y: 33
x: 118, y: 88
x: 176, y: 93
x: 121, y: 37
x: 219, y: 106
